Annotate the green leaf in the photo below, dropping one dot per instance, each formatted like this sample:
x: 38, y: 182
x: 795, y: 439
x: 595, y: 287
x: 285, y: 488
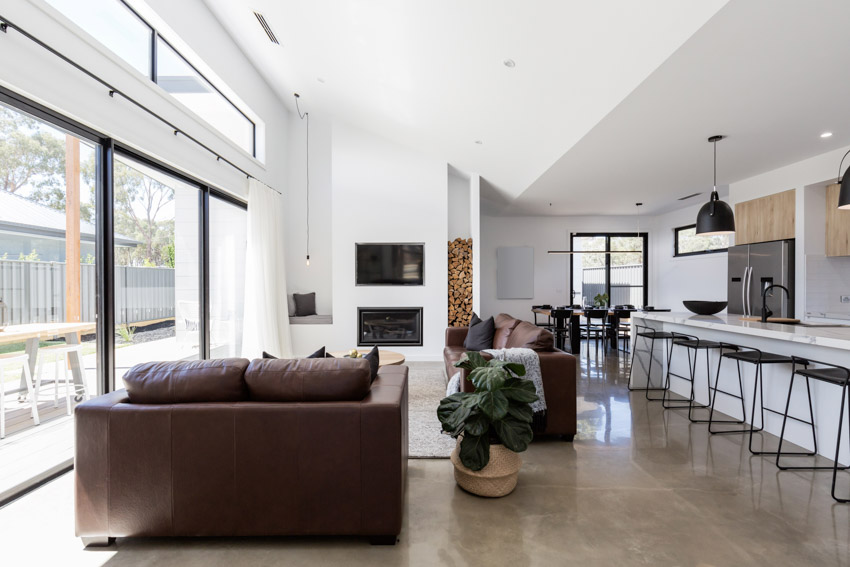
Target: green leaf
x: 471, y: 360
x: 475, y: 451
x: 488, y: 378
x: 476, y: 424
x: 514, y: 367
x: 520, y: 390
x: 514, y: 434
x: 493, y: 404
x: 522, y: 412
x: 447, y: 411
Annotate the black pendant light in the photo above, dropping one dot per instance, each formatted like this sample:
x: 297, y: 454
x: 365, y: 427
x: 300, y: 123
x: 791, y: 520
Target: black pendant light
x: 716, y: 217
x: 844, y: 194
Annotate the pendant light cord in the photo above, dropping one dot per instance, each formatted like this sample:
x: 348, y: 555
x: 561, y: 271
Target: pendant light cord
x: 306, y: 116
x: 715, y: 166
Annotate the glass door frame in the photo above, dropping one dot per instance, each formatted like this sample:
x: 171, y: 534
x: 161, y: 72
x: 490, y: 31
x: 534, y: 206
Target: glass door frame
x: 106, y: 150
x: 608, y: 235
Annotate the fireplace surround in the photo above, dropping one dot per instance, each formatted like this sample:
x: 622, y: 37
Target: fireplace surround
x: 389, y: 326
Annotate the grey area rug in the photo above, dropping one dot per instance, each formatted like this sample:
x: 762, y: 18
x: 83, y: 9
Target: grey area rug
x: 426, y: 387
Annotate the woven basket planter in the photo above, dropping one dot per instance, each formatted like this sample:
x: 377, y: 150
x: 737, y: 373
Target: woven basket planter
x: 497, y: 479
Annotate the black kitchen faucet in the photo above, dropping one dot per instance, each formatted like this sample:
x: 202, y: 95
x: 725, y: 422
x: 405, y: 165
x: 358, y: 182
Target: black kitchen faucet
x: 765, y: 311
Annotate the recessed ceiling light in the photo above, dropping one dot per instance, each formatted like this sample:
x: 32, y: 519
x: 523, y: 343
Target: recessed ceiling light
x: 509, y: 63
x: 479, y: 142
x: 826, y: 135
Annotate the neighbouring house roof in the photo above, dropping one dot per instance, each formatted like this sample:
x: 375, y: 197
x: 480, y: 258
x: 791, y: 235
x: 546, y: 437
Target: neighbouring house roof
x: 20, y: 215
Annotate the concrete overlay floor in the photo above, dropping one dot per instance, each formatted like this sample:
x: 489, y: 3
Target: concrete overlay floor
x: 640, y: 486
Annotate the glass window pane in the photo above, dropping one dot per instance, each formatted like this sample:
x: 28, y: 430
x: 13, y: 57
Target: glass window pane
x: 115, y: 26
x: 177, y: 77
x: 688, y: 242
x: 47, y: 286
x: 589, y: 279
x: 627, y: 271
x: 157, y: 310
x: 228, y: 242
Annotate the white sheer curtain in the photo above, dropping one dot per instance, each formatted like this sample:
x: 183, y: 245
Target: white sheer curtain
x: 266, y: 311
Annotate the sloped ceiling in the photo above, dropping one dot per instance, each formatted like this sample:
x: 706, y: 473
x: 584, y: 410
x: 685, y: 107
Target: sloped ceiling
x: 609, y: 102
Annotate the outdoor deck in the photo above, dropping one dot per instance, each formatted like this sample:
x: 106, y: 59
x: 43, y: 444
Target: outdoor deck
x: 34, y: 452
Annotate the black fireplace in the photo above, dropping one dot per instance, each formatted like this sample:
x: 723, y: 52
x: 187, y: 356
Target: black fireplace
x: 389, y: 326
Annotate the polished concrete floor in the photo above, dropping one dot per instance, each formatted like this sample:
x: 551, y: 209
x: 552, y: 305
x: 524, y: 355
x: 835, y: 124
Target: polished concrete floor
x: 639, y: 486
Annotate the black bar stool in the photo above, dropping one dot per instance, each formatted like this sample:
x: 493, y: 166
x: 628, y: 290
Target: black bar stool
x: 833, y: 374
x: 695, y: 344
x: 759, y: 358
x: 651, y: 334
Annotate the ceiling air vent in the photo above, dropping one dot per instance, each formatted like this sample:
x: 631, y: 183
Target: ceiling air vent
x: 686, y: 197
x: 262, y: 19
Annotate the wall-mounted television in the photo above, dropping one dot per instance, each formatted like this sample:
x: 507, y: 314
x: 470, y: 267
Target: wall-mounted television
x: 390, y: 264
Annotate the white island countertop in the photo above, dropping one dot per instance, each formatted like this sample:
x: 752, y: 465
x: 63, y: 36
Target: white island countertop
x: 831, y: 337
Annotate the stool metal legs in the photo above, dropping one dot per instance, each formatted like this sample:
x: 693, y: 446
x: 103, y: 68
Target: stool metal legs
x: 739, y: 395
x: 666, y: 378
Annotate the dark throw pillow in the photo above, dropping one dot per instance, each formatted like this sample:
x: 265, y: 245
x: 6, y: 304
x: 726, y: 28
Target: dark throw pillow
x: 267, y: 355
x: 321, y: 354
x: 374, y: 359
x: 480, y: 335
x: 305, y: 304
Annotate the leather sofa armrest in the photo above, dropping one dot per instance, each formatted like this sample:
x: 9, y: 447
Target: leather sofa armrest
x: 384, y: 449
x: 91, y: 464
x: 456, y: 335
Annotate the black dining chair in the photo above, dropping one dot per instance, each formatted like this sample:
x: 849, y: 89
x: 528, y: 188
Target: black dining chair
x: 623, y: 330
x: 561, y: 327
x: 596, y: 327
x: 548, y: 325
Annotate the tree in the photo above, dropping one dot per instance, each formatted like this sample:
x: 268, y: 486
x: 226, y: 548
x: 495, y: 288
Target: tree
x: 139, y: 201
x: 29, y: 154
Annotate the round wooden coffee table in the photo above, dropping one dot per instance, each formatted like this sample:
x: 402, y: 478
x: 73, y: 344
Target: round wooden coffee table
x: 385, y: 357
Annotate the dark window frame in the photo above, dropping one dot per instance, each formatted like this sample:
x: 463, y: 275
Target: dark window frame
x: 106, y: 149
x: 153, y: 70
x: 677, y: 254
x: 608, y: 236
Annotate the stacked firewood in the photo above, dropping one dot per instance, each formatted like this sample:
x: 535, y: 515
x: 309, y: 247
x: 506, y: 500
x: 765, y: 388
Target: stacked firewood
x: 460, y: 282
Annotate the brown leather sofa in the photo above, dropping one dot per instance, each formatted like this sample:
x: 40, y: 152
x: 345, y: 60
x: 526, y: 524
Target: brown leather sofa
x: 558, y: 369
x: 236, y: 448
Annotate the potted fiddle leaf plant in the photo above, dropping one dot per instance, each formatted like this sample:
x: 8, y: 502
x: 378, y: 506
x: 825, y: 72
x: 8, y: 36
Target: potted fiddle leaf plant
x: 492, y: 425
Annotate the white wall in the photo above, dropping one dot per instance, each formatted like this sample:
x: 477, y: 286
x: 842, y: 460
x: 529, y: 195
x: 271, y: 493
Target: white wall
x: 318, y: 277
x: 551, y: 272
x: 383, y: 192
x: 458, y: 205
x: 672, y: 279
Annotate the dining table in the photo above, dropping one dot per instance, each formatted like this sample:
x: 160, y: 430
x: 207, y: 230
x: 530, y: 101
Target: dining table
x: 33, y: 333
x: 574, y: 325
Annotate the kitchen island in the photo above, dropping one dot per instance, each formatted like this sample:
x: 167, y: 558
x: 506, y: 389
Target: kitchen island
x: 822, y: 343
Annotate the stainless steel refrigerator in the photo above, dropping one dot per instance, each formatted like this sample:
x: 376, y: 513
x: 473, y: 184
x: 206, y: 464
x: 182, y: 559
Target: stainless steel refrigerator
x: 753, y: 267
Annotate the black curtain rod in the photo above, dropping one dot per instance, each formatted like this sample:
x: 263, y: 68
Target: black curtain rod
x: 6, y: 24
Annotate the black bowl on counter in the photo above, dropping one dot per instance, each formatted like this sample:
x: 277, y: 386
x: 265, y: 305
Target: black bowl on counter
x: 705, y: 307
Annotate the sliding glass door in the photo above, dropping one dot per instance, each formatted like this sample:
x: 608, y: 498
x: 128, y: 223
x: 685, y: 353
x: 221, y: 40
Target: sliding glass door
x: 108, y: 258
x: 49, y: 358
x: 228, y: 242
x: 157, y: 266
x: 617, y: 274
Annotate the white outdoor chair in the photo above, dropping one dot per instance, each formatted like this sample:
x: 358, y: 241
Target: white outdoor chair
x: 63, y: 361
x: 5, y: 360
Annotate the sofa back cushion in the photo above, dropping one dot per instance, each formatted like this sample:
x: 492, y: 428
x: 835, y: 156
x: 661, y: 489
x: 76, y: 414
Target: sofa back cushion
x: 308, y: 380
x: 505, y: 325
x: 184, y: 382
x: 527, y: 335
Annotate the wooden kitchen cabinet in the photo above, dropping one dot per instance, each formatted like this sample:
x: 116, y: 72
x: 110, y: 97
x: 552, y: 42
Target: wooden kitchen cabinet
x: 837, y: 224
x: 766, y: 219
